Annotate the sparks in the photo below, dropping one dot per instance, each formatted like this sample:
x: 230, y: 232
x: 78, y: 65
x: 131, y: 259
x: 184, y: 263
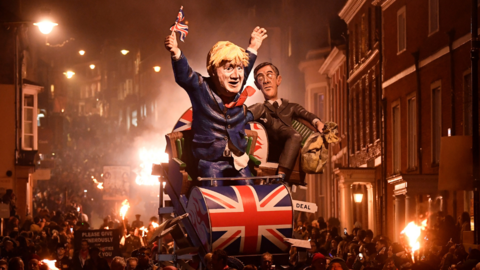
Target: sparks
x: 147, y: 158
x: 124, y: 208
x: 50, y: 264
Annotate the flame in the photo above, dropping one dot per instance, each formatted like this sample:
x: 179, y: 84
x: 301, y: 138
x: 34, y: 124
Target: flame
x: 155, y: 225
x: 50, y: 264
x: 99, y: 184
x: 147, y: 158
x: 144, y: 230
x: 413, y: 231
x: 106, y: 228
x: 124, y: 208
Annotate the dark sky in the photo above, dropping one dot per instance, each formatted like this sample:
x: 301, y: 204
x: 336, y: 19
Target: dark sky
x: 147, y: 21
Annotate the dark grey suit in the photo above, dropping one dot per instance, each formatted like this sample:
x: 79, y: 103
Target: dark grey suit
x: 284, y: 140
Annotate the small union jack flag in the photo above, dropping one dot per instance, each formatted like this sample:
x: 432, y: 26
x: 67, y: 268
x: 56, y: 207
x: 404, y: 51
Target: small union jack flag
x: 179, y: 27
x: 249, y: 219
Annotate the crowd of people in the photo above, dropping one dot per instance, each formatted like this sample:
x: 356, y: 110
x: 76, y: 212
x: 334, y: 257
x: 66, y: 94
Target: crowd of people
x: 61, y: 207
x: 50, y: 235
x: 440, y: 247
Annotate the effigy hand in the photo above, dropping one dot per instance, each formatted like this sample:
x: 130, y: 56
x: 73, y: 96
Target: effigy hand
x: 171, y: 44
x: 257, y: 37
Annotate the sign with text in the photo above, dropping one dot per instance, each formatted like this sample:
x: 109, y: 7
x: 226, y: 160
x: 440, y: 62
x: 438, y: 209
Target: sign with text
x: 304, y: 206
x: 108, y: 241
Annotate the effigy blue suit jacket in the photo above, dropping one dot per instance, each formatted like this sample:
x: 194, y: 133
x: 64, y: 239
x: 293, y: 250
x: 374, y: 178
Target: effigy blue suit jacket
x: 211, y: 126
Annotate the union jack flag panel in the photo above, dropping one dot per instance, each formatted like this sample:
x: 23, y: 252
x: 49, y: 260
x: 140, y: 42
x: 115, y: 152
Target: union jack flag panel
x: 185, y: 121
x: 249, y: 219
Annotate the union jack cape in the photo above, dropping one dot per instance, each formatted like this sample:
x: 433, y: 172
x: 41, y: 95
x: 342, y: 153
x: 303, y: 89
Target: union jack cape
x: 179, y: 27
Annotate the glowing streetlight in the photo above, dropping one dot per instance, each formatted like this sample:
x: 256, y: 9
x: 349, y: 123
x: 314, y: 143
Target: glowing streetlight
x: 157, y: 68
x: 45, y: 27
x: 358, y: 197
x: 69, y: 74
x: 92, y: 66
x: 124, y: 52
x: 81, y: 52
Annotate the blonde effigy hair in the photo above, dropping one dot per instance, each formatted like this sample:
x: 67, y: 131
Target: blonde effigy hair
x: 225, y: 51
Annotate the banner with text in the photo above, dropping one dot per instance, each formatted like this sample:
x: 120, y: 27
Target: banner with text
x: 108, y: 241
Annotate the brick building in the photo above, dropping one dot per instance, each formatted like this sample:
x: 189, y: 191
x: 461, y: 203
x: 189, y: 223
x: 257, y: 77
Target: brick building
x: 426, y: 87
x: 360, y: 175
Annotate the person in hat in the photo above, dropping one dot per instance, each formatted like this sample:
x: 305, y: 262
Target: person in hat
x: 62, y: 260
x: 319, y: 262
x: 137, y: 223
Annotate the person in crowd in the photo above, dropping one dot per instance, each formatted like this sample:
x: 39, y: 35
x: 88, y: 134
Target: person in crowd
x: 208, y: 260
x: 144, y: 262
x: 118, y: 263
x: 38, y: 225
x: 33, y: 264
x: 95, y: 262
x: 472, y: 260
x: 381, y: 249
x: 337, y: 264
x: 62, y: 260
x: 16, y: 263
x: 137, y: 223
x: 81, y: 256
x: 319, y: 262
x: 3, y: 264
x: 132, y: 263
x: 267, y: 261
x: 7, y: 251
x: 219, y: 260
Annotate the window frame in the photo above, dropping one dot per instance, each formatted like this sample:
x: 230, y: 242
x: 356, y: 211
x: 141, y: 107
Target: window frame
x: 394, y: 105
x: 466, y: 73
x: 430, y: 32
x: 401, y: 11
x: 28, y: 91
x: 411, y: 166
x: 434, y: 86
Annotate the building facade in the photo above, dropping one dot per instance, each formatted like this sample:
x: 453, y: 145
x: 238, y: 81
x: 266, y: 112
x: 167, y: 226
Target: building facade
x: 426, y: 86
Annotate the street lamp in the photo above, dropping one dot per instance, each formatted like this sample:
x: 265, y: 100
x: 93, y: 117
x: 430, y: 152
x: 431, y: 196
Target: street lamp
x: 69, y: 74
x: 92, y: 66
x: 81, y: 52
x: 157, y: 68
x: 358, y: 197
x: 45, y: 27
x: 124, y: 52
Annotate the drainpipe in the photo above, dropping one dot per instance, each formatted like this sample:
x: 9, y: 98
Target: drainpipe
x: 418, y: 96
x: 475, y: 131
x: 451, y: 38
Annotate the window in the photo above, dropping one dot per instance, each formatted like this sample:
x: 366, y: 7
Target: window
x: 401, y: 30
x: 396, y: 138
x: 318, y: 104
x: 467, y: 104
x: 412, y: 133
x: 29, y: 119
x: 134, y: 118
x: 433, y: 18
x: 436, y: 122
